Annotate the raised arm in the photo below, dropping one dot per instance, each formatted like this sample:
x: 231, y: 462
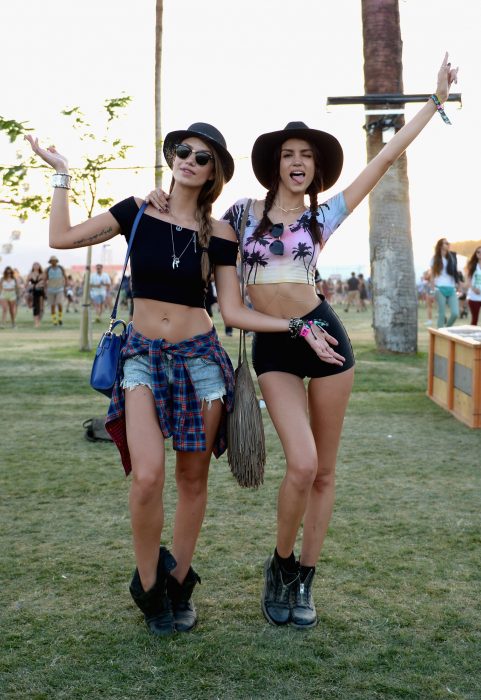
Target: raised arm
x: 62, y: 234
x: 373, y: 172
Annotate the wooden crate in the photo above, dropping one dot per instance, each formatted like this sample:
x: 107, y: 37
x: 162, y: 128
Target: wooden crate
x: 454, y: 371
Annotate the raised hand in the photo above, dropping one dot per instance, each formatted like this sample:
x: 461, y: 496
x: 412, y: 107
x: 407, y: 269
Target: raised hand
x: 320, y: 341
x: 50, y: 155
x: 446, y: 77
x: 158, y: 199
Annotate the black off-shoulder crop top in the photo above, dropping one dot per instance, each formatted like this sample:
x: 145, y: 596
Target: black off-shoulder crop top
x: 151, y: 258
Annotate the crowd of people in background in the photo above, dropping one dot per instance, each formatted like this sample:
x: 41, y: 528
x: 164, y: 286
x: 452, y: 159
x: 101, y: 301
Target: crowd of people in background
x: 53, y: 288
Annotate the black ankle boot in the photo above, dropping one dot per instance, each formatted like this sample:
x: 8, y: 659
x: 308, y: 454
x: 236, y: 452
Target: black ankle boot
x: 180, y: 594
x: 303, y: 612
x: 275, y: 601
x: 154, y: 603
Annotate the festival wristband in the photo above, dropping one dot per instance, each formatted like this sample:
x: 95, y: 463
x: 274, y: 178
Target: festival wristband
x: 440, y: 108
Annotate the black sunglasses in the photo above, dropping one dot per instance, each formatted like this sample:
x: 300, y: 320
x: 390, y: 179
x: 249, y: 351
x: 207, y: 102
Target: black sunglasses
x: 277, y: 246
x: 183, y: 151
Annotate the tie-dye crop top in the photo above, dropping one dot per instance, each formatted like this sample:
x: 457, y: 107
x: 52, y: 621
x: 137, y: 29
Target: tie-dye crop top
x: 298, y: 262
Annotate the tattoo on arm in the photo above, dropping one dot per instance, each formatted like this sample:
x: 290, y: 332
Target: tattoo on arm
x: 94, y: 237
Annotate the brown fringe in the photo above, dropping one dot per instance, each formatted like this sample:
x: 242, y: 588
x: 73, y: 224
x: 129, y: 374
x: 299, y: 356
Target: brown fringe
x: 246, y: 449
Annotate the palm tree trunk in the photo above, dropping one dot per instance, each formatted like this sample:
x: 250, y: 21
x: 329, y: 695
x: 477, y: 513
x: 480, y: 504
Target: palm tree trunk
x: 392, y: 263
x: 159, y: 7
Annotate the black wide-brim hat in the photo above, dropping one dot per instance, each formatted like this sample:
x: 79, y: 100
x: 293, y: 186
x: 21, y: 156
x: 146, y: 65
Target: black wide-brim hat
x: 207, y: 133
x: 329, y: 147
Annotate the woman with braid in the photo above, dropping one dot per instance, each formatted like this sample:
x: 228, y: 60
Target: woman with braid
x: 176, y: 379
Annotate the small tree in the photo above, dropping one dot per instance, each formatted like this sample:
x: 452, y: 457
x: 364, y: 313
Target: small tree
x: 86, y: 181
x: 14, y: 185
x: 86, y: 184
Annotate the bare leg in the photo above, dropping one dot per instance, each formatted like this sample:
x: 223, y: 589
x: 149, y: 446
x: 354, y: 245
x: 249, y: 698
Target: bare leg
x: 286, y: 401
x: 12, y: 307
x: 147, y: 451
x: 328, y: 399
x: 192, y: 470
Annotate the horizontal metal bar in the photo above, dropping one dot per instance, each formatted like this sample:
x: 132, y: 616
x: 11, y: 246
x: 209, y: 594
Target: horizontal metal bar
x: 387, y: 98
x: 385, y: 111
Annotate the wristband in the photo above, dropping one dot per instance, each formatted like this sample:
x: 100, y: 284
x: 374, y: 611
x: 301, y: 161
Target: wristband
x: 62, y: 180
x: 440, y: 108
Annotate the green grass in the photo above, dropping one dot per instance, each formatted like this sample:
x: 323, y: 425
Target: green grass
x: 398, y: 583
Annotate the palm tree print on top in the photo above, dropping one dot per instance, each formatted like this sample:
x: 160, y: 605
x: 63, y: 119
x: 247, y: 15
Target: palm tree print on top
x: 298, y: 263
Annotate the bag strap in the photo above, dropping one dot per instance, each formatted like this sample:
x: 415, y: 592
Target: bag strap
x: 143, y: 207
x: 242, y: 336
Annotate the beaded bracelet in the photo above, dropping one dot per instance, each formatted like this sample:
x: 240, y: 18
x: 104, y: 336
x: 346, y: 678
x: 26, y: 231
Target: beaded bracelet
x: 296, y: 326
x: 62, y: 180
x: 440, y: 108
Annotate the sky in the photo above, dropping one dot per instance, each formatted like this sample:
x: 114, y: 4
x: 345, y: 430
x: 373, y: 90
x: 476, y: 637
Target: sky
x: 248, y: 67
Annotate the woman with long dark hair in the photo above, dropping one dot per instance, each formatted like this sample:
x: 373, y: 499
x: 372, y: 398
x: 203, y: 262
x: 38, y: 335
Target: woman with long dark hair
x: 473, y: 284
x: 444, y: 278
x: 35, y: 287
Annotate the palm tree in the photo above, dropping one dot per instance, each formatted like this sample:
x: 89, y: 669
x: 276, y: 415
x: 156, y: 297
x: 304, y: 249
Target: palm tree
x: 392, y: 262
x: 159, y: 8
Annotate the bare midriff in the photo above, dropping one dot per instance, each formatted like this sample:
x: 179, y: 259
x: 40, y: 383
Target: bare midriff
x: 283, y: 300
x: 172, y: 322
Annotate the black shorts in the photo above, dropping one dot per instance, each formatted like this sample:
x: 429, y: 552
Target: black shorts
x: 278, y: 352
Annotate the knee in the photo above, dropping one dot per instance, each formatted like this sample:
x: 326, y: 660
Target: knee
x: 147, y: 483
x: 302, y: 474
x: 192, y: 485
x: 324, y: 481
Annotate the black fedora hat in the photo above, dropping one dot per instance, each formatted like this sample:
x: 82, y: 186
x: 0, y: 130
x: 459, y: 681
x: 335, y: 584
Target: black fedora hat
x: 207, y: 133
x: 266, y: 144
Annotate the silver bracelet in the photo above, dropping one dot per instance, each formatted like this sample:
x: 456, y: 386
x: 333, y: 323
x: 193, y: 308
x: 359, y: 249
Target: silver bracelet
x: 61, y: 180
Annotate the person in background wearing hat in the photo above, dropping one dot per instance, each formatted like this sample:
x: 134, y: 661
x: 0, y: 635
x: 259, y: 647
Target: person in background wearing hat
x: 283, y: 240
x: 55, y: 285
x: 176, y: 379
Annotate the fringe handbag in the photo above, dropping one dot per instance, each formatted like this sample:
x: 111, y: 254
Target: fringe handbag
x: 246, y: 449
x: 107, y: 355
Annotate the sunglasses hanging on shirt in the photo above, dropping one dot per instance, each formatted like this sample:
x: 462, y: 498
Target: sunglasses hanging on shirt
x: 277, y: 246
x: 183, y: 151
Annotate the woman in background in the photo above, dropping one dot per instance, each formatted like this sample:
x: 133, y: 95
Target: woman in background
x: 8, y: 296
x: 35, y: 287
x: 473, y: 283
x: 444, y: 281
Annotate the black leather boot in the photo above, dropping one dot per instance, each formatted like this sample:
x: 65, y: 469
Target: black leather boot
x: 303, y: 612
x: 180, y: 594
x: 275, y: 601
x: 154, y: 603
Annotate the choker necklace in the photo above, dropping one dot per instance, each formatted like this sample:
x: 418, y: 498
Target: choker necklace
x: 286, y: 211
x: 176, y: 258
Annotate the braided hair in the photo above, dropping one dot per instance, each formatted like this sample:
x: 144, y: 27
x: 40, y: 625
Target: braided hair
x: 211, y: 189
x: 317, y: 185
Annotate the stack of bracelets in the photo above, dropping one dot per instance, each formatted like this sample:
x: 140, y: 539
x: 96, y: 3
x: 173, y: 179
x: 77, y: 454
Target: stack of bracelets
x: 298, y: 328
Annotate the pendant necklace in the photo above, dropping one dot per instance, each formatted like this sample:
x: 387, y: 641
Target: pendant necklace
x: 176, y: 258
x: 286, y: 211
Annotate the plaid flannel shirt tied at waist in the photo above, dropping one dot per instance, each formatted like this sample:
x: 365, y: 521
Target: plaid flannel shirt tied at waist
x: 178, y: 408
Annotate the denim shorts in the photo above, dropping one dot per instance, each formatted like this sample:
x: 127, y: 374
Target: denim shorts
x: 206, y: 375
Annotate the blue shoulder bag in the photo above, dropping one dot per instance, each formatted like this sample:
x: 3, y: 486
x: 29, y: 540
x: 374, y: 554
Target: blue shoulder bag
x: 107, y: 356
